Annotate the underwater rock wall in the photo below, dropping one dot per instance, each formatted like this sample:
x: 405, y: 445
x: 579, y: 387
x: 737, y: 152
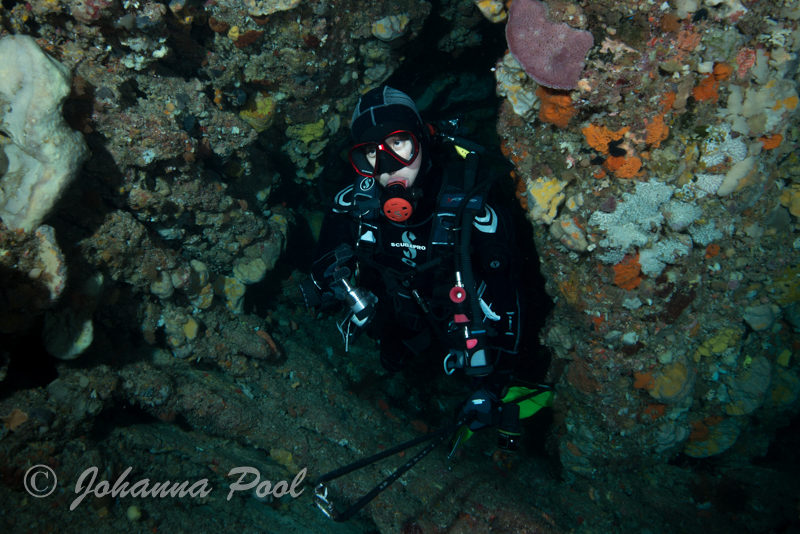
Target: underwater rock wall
x: 663, y: 194
x: 193, y: 113
x: 664, y: 190
x: 185, y: 106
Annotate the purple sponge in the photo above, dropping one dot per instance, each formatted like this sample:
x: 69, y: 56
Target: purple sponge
x: 551, y: 53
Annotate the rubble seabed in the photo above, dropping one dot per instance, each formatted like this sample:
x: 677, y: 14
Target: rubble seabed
x: 664, y: 192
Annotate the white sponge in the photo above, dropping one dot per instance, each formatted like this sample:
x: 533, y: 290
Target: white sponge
x: 43, y: 154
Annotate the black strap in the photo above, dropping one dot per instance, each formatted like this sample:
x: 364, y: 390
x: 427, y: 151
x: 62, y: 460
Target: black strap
x: 435, y: 438
x: 377, y: 490
x: 364, y: 462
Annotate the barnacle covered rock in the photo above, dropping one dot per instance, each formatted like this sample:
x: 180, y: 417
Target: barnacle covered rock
x: 514, y: 84
x: 259, y: 8
x: 689, y: 279
x: 391, y: 27
x: 232, y: 290
x: 250, y: 272
x: 747, y: 391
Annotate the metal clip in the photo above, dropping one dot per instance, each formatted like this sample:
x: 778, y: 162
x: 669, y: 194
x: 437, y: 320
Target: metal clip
x: 344, y: 329
x: 456, y: 443
x: 322, y: 502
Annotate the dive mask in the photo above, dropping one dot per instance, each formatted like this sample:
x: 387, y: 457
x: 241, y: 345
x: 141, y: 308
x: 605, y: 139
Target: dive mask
x: 393, y: 152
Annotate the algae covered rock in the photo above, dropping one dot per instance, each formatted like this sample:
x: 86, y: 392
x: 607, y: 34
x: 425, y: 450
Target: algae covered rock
x: 747, y: 391
x: 719, y: 438
x: 258, y: 8
x: 674, y: 383
x: 391, y: 27
x: 250, y: 272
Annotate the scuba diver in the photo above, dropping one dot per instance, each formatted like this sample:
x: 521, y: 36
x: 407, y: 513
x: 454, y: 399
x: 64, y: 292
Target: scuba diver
x: 425, y: 262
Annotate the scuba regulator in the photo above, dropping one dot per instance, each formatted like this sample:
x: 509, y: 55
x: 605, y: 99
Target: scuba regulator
x: 397, y: 202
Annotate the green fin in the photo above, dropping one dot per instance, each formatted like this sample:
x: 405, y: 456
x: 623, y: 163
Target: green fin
x: 527, y: 408
x: 461, y: 435
x: 530, y: 406
x: 464, y: 433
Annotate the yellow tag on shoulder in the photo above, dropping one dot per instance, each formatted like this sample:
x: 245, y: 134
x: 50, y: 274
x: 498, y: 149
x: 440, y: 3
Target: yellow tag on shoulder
x: 462, y: 151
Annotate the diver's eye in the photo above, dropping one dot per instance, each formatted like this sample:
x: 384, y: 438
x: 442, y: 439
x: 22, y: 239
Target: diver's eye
x: 370, y: 153
x: 400, y: 145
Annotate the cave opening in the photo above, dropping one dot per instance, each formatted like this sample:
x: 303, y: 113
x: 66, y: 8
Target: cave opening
x: 451, y: 89
x: 25, y: 362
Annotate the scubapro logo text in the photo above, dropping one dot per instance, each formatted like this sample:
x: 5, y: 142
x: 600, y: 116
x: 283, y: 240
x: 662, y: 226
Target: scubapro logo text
x: 409, y: 245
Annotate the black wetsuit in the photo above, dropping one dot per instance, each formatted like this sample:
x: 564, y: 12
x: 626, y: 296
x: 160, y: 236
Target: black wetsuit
x: 405, y: 257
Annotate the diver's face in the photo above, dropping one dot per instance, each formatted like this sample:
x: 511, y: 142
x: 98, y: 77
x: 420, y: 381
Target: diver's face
x: 403, y: 146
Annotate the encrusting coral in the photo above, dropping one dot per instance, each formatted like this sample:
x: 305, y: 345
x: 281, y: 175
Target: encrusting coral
x: 772, y: 141
x: 627, y: 273
x: 551, y: 53
x: 599, y: 137
x: 706, y: 90
x: 656, y: 131
x: 555, y: 107
x: 623, y: 166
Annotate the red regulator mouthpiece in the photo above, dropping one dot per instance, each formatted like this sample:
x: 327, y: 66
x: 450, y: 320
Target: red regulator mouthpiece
x: 397, y: 209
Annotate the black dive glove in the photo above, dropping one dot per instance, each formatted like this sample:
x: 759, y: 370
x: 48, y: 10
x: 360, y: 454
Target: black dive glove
x: 323, y: 287
x: 333, y: 271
